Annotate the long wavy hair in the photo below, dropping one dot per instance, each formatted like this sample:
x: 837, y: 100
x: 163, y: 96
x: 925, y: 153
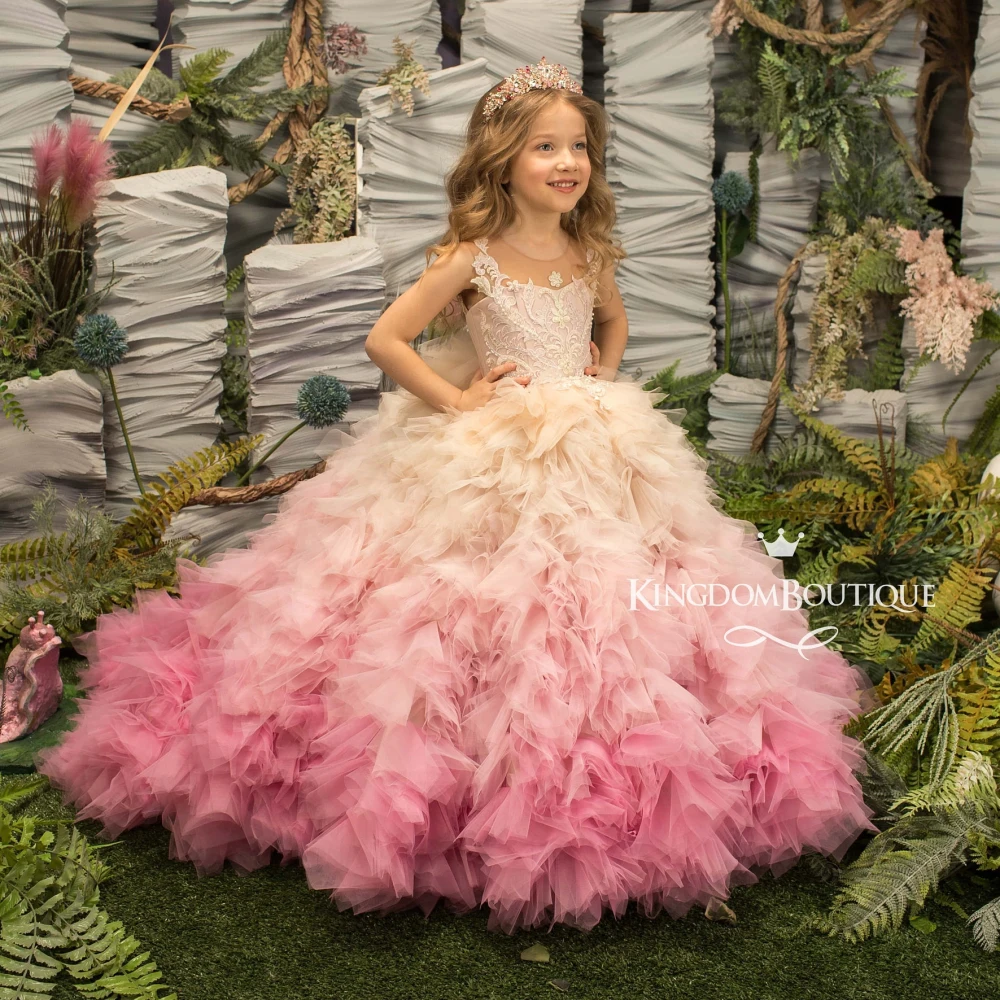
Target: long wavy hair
x: 482, y: 206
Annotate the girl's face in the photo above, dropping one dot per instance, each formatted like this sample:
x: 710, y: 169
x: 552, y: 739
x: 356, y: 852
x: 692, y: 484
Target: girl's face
x: 552, y: 170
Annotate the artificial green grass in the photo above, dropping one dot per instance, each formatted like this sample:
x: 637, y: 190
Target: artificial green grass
x: 268, y: 936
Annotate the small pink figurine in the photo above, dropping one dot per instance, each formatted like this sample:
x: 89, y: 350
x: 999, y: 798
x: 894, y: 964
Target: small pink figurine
x: 32, y: 687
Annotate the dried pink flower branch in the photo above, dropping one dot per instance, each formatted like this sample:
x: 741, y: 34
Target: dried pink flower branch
x: 942, y: 305
x: 342, y: 43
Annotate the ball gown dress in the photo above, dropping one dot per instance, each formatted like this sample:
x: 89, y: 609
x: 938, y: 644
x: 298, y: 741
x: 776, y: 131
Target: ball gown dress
x: 434, y: 675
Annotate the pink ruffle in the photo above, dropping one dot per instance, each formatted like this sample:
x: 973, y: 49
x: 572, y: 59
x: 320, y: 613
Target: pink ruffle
x: 424, y: 679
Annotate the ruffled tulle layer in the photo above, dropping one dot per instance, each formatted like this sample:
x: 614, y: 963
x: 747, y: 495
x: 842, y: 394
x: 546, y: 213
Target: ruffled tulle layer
x: 426, y: 678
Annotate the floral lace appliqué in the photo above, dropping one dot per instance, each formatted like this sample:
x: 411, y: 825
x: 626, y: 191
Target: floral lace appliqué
x: 545, y: 330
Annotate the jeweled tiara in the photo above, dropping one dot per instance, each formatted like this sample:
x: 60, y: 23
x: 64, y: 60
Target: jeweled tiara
x: 541, y: 76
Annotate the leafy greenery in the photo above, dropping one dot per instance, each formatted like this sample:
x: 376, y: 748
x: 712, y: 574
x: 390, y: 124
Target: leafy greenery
x: 45, y: 286
x: 876, y: 183
x: 936, y: 785
x: 881, y: 515
x: 96, y: 563
x: 690, y: 392
x: 405, y: 76
x: 51, y: 920
x: 322, y: 184
x: 204, y: 137
x: 803, y: 97
x: 860, y: 267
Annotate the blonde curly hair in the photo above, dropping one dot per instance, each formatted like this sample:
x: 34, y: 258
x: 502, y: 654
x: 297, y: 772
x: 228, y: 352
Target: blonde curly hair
x: 481, y: 206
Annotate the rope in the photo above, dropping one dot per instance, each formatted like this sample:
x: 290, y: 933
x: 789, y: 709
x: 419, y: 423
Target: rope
x: 303, y: 64
x: 781, y: 348
x: 874, y: 29
x: 175, y: 112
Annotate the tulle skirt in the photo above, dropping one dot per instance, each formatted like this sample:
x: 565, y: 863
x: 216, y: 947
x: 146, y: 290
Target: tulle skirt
x: 440, y: 672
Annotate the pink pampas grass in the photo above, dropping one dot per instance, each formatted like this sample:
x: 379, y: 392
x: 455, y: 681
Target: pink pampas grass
x: 78, y: 161
x: 47, y: 152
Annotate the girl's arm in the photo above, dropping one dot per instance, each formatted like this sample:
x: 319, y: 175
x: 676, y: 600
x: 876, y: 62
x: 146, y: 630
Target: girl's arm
x: 388, y: 341
x: 611, y: 325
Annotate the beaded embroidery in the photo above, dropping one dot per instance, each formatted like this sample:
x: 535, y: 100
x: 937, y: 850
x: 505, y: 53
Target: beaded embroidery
x: 546, y: 331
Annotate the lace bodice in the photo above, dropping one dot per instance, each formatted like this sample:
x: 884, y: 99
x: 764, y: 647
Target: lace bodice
x: 546, y: 331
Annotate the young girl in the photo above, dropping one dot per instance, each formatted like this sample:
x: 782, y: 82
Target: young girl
x: 447, y: 668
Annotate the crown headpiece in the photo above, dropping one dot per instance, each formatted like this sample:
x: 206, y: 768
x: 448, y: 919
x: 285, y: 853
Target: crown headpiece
x: 541, y: 76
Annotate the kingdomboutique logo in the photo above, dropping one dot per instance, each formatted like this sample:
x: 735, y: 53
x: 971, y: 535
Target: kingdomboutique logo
x: 786, y: 594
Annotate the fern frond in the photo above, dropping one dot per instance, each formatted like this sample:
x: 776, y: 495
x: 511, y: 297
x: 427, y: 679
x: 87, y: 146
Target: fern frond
x: 985, y: 436
x: 987, y: 326
x: 52, y: 922
x: 241, y: 152
x: 201, y: 69
x: 956, y: 602
x: 986, y: 924
x: 152, y: 513
x: 823, y: 567
x: 17, y: 791
x: 878, y: 270
x: 874, y: 641
x: 253, y: 70
x: 888, y: 881
x: 161, y: 149
x: 157, y: 86
x: 922, y: 713
x: 853, y: 503
x: 30, y: 557
x: 937, y: 477
x: 887, y: 363
x: 860, y: 454
x: 978, y: 367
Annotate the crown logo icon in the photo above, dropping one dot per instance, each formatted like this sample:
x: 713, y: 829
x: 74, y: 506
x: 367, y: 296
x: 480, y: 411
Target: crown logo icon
x: 781, y: 546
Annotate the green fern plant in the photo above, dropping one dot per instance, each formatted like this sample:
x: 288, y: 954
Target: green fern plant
x: 51, y: 920
x: 877, y: 183
x: 97, y: 563
x: 204, y: 137
x: 808, y: 99
x: 878, y: 514
x: 935, y: 750
x: 690, y: 392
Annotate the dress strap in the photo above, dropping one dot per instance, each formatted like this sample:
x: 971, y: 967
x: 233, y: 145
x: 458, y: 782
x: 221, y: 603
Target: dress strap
x: 487, y: 270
